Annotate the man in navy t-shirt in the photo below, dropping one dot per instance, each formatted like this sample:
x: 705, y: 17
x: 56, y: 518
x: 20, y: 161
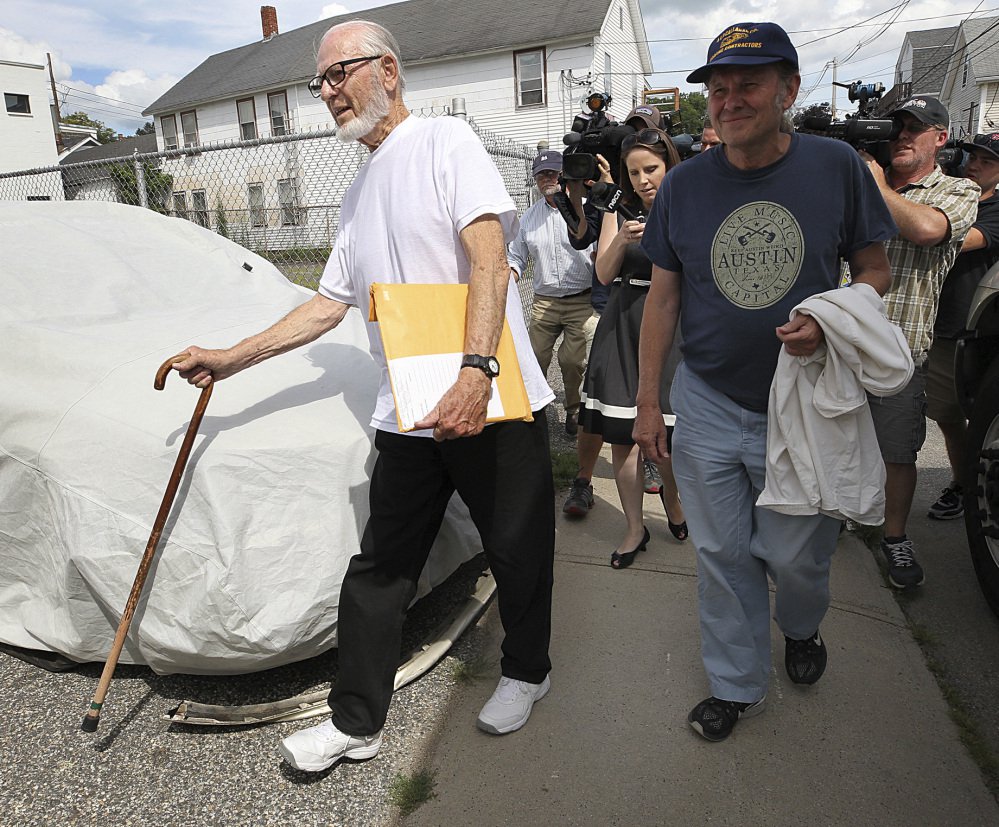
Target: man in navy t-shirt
x: 745, y: 233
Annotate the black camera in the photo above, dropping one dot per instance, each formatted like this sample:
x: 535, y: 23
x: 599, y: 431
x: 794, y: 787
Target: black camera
x: 859, y: 130
x: 593, y: 133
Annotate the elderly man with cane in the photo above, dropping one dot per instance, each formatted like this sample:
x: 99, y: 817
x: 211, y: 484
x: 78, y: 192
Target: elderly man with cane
x: 429, y: 206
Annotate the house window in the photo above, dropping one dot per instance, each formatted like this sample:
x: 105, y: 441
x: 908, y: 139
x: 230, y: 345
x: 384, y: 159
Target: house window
x: 180, y: 204
x: 607, y: 74
x: 199, y: 201
x: 277, y: 105
x: 964, y: 77
x: 246, y: 112
x: 288, y: 200
x: 258, y: 215
x: 620, y: 18
x: 168, y: 123
x: 189, y: 125
x: 16, y: 104
x: 529, y: 69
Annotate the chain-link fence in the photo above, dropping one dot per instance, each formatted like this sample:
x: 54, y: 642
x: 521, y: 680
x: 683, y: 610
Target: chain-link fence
x: 278, y: 196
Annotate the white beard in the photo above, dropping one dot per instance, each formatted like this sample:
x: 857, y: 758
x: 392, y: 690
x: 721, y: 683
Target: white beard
x: 364, y: 122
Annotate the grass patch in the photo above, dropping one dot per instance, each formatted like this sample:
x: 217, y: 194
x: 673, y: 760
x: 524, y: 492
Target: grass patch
x: 407, y: 792
x: 969, y: 730
x: 565, y: 464
x: 472, y: 670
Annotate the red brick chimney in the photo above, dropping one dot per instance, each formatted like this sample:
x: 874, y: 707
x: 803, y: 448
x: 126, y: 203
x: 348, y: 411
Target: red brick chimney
x: 268, y: 21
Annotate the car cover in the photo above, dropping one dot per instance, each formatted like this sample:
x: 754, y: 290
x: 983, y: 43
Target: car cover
x: 274, y: 499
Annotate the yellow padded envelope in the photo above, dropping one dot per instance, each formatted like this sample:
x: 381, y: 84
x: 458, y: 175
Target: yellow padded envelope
x: 422, y: 328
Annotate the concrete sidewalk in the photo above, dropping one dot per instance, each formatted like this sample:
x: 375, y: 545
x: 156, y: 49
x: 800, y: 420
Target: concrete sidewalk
x: 871, y: 743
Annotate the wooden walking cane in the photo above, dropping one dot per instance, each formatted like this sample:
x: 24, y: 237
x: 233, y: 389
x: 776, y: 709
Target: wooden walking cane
x: 93, y: 716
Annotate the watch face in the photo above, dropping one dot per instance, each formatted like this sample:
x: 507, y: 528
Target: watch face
x: 493, y: 363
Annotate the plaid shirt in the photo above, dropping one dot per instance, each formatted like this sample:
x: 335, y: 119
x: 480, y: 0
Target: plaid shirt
x: 918, y: 273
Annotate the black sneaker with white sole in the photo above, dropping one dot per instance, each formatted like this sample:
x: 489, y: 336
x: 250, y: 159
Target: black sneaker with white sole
x: 715, y: 719
x: 805, y: 660
x: 903, y: 570
x: 949, y: 505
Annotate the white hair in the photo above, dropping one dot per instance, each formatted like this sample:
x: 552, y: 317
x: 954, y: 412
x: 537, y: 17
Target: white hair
x: 374, y: 39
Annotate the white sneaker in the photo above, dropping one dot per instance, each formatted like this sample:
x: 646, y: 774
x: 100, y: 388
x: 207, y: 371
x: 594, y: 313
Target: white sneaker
x: 510, y: 706
x: 320, y: 747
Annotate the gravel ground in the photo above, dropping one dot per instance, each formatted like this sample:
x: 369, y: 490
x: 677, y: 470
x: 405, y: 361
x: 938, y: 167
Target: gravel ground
x: 138, y: 769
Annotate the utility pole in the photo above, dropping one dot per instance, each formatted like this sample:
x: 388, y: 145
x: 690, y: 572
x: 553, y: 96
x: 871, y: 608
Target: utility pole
x: 55, y: 101
x: 832, y: 106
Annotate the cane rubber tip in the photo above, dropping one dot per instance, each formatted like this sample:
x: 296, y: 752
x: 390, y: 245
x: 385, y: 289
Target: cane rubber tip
x: 89, y: 723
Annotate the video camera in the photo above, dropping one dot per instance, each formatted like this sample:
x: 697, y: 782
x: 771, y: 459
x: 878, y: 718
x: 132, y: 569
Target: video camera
x: 859, y: 130
x: 593, y: 133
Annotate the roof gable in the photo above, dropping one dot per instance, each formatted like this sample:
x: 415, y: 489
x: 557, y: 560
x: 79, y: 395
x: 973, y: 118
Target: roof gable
x: 425, y: 29
x: 982, y: 39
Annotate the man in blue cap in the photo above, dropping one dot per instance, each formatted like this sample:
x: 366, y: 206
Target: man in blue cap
x: 562, y: 277
x: 744, y: 235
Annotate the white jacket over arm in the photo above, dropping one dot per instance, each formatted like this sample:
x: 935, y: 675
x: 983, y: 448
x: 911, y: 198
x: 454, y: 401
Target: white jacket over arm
x: 822, y: 451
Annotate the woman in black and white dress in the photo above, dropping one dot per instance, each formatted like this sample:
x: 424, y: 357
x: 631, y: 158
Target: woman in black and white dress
x: 611, y: 381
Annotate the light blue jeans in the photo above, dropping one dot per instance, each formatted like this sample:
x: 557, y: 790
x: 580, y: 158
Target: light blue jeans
x: 719, y: 459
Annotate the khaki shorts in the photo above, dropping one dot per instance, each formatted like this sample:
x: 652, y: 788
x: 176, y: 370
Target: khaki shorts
x: 941, y: 391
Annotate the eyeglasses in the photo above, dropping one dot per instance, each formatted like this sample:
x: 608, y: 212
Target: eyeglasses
x: 335, y: 74
x: 916, y: 127
x: 646, y: 137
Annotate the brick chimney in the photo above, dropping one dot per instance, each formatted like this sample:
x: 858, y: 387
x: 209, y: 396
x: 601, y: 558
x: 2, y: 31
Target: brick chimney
x: 268, y: 21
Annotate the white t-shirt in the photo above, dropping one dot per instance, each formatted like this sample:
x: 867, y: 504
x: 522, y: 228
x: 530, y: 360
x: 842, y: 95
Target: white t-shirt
x: 400, y: 223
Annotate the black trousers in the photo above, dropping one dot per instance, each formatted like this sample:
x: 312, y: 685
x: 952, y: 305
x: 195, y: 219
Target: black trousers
x: 504, y: 477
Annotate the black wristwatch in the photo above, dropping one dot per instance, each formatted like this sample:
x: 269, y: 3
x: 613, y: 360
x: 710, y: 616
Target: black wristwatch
x: 489, y: 365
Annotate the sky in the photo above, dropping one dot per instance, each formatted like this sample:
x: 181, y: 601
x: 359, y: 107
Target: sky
x: 112, y: 59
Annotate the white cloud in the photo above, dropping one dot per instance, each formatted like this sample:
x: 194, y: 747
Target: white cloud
x: 332, y: 10
x: 18, y: 49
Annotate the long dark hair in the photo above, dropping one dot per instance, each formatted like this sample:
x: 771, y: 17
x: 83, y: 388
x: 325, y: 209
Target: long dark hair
x: 661, y: 146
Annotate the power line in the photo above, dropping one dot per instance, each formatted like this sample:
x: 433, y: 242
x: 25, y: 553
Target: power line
x: 84, y: 93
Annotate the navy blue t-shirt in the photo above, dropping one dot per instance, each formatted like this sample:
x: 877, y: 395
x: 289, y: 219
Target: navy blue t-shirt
x: 752, y: 244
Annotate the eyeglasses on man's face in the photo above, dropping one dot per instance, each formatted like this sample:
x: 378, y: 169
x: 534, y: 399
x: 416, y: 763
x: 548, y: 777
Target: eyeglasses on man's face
x: 336, y: 74
x: 646, y: 137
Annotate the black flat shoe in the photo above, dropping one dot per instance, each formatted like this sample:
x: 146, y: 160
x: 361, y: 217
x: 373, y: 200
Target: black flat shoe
x: 622, y: 561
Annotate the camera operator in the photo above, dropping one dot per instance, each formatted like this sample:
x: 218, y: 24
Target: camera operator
x: 978, y: 253
x: 933, y: 213
x: 588, y: 231
x: 588, y: 445
x: 562, y: 277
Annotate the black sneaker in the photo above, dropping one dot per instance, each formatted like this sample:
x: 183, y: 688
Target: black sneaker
x: 580, y: 499
x: 805, y: 660
x: 714, y: 718
x: 571, y: 422
x: 949, y: 506
x: 903, y: 570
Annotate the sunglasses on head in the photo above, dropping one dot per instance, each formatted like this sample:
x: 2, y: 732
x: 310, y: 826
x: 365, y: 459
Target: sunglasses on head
x: 645, y: 137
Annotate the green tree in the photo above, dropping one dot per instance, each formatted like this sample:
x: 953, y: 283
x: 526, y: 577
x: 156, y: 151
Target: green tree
x: 105, y: 134
x: 813, y: 110
x: 148, y: 128
x: 693, y: 106
x: 221, y: 219
x: 159, y: 185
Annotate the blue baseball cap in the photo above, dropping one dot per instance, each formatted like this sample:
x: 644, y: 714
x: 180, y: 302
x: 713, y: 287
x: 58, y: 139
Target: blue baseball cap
x: 747, y: 44
x: 550, y: 160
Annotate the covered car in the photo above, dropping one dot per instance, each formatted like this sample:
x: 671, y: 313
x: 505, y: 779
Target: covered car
x: 271, y: 507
